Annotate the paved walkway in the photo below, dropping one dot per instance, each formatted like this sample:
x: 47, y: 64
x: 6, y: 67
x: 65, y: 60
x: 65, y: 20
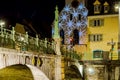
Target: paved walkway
x: 37, y: 74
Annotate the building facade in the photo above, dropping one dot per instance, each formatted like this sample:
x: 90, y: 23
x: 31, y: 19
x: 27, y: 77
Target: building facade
x: 103, y: 29
x: 73, y: 24
x: 90, y: 31
x: 91, y: 27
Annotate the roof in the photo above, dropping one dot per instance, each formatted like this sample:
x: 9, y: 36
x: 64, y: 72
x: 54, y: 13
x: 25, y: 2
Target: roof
x: 90, y: 6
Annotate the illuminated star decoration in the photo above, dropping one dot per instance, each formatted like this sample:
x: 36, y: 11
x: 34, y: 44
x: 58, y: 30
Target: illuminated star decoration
x: 69, y: 23
x: 78, y: 24
x: 67, y: 8
x: 75, y: 13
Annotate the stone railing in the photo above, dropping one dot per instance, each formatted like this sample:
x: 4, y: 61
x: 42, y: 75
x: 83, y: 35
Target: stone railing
x: 46, y: 63
x: 24, y: 42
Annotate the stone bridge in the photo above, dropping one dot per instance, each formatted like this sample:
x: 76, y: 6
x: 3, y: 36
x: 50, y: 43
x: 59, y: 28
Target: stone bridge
x: 46, y: 63
x: 17, y: 48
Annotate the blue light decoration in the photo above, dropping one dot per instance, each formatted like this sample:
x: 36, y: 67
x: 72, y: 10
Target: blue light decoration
x: 78, y: 21
x: 64, y: 17
x: 80, y: 33
x: 69, y: 32
x: 66, y: 8
x: 60, y: 25
x: 78, y: 24
x: 75, y: 13
x: 69, y: 23
x: 85, y: 13
x: 81, y: 6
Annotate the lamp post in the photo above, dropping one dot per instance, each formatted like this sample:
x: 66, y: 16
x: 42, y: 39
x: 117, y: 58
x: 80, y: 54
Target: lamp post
x: 117, y: 8
x: 112, y: 43
x: 119, y: 34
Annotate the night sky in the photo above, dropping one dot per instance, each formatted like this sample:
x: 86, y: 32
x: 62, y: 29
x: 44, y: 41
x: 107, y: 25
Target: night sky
x: 39, y: 12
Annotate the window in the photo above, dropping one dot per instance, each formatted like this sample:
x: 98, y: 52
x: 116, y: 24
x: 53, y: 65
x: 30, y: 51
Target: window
x: 96, y: 22
x: 79, y: 17
x: 70, y: 16
x: 62, y: 36
x: 97, y: 54
x: 97, y: 9
x: 76, y: 36
x: 116, y: 6
x: 106, y: 9
x: 95, y: 37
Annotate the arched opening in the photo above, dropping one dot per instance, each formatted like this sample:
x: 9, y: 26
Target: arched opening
x: 30, y: 72
x: 62, y: 35
x: 75, y: 36
x: 72, y: 72
x: 27, y: 60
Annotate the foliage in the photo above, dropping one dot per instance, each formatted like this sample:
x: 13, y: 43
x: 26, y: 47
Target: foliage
x: 47, y: 50
x: 71, y: 54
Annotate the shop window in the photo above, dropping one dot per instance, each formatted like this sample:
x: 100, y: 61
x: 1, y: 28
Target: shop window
x: 97, y: 54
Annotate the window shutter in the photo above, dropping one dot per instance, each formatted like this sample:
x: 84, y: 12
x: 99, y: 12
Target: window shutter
x: 91, y: 23
x: 102, y: 22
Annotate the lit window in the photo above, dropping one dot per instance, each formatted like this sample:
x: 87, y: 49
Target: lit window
x: 116, y: 6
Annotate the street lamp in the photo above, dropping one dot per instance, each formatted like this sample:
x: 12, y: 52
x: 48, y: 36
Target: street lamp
x: 112, y: 44
x: 91, y: 72
x: 118, y: 9
x: 2, y: 23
